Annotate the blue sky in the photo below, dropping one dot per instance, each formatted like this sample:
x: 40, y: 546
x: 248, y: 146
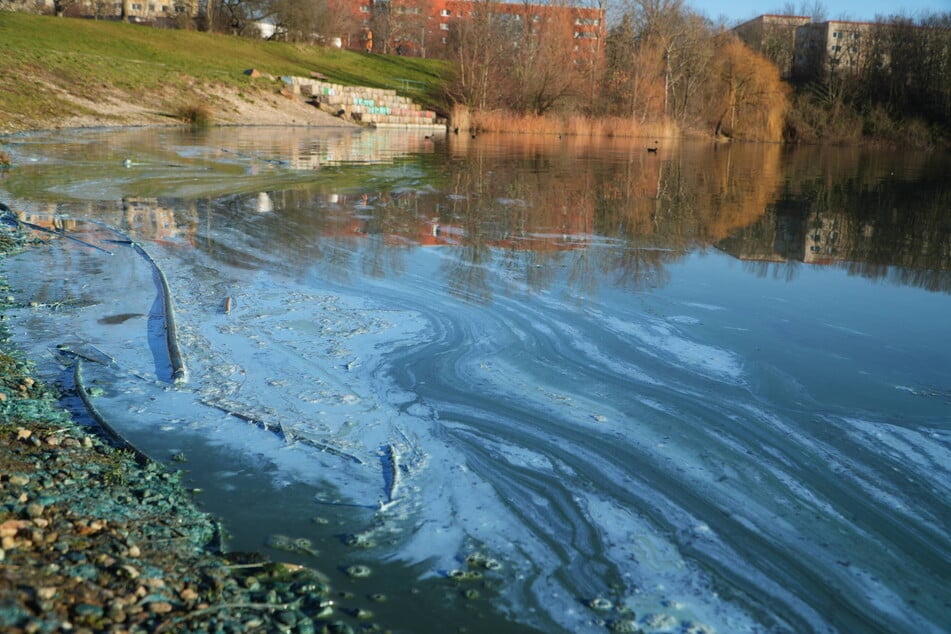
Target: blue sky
x: 860, y: 10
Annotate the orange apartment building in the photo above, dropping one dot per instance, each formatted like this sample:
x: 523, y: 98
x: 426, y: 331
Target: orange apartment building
x: 423, y: 27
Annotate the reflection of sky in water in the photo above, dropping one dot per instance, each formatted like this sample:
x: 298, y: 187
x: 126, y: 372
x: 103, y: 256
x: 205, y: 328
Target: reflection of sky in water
x: 705, y: 446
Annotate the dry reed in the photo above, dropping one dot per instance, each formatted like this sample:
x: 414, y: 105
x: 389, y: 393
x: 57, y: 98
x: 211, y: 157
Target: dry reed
x: 5, y: 159
x: 197, y: 115
x: 572, y: 125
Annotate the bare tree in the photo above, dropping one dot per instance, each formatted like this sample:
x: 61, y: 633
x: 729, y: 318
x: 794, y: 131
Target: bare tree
x: 542, y: 70
x: 477, y: 46
x: 399, y: 23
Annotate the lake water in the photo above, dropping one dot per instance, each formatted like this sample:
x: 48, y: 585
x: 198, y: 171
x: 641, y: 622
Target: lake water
x: 531, y: 384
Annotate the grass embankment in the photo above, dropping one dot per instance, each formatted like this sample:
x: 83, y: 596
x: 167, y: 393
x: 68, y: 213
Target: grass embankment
x: 52, y: 69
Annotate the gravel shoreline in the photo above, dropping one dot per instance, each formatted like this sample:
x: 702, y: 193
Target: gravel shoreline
x: 96, y: 539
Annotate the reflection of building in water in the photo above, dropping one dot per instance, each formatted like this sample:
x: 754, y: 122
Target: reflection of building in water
x: 146, y: 218
x: 425, y: 219
x: 149, y: 219
x: 907, y: 248
x: 354, y: 148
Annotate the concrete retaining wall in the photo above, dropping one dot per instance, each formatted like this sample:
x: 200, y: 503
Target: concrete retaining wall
x: 367, y: 105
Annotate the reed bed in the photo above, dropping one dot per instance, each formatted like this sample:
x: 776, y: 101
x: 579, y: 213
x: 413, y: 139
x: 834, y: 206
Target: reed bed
x: 573, y: 125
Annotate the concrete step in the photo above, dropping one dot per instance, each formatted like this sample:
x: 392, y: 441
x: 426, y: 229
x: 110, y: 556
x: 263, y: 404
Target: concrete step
x: 366, y: 105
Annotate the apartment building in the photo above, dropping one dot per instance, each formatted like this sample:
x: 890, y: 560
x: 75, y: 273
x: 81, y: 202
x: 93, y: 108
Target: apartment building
x: 774, y: 36
x: 135, y: 10
x: 423, y: 27
x: 826, y: 49
x: 807, y: 50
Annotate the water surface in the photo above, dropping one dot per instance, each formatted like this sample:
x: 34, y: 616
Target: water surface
x: 703, y: 390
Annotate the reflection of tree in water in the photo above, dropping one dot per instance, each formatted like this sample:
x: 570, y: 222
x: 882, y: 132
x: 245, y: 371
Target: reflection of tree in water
x: 575, y: 213
x: 662, y: 209
x: 386, y: 232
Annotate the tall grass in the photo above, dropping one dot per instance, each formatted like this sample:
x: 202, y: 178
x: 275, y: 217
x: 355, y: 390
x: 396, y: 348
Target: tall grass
x: 571, y: 125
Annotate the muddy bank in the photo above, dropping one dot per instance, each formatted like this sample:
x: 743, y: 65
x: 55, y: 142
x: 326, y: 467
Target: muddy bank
x: 97, y: 539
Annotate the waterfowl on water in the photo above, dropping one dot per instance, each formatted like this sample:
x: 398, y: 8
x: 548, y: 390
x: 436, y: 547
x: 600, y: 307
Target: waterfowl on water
x: 653, y: 149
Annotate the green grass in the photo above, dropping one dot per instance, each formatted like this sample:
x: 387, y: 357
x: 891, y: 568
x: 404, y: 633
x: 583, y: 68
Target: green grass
x: 42, y: 57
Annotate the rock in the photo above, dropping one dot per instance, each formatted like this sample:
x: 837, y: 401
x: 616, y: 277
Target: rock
x: 19, y: 480
x: 188, y: 595
x: 35, y: 510
x: 155, y: 583
x: 160, y: 607
x: 87, y: 610
x: 10, y: 527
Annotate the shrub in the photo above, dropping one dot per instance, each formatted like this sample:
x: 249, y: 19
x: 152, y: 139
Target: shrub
x: 197, y: 115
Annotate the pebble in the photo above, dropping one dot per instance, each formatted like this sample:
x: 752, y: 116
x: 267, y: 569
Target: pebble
x: 19, y: 480
x: 188, y: 594
x: 160, y: 607
x: 87, y: 609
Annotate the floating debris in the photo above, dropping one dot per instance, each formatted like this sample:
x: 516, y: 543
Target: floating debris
x: 292, y: 545
x: 660, y: 621
x: 628, y: 626
x: 601, y: 604
x: 361, y: 540
x: 358, y: 571
x: 84, y: 395
x: 478, y: 560
x: 391, y: 475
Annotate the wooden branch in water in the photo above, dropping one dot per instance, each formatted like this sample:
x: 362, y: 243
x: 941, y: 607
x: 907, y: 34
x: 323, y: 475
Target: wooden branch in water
x: 179, y: 370
x: 118, y: 438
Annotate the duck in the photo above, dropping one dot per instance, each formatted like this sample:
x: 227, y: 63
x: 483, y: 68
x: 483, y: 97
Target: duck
x: 653, y: 150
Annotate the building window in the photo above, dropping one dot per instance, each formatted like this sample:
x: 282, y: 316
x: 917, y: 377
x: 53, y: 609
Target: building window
x: 151, y: 8
x: 136, y: 7
x: 364, y: 8
x: 443, y: 26
x: 445, y: 13
x: 587, y: 21
x: 836, y: 34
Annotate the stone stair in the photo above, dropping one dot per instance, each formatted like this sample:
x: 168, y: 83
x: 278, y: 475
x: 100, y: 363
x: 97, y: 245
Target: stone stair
x: 369, y: 106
